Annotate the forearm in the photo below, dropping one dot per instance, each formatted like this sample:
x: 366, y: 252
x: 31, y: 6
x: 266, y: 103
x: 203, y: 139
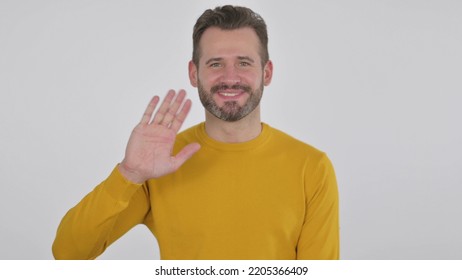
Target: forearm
x: 100, y: 218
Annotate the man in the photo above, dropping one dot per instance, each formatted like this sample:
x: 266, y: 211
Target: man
x: 230, y: 188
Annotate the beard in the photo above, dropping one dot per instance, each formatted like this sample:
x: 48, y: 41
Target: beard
x: 231, y: 111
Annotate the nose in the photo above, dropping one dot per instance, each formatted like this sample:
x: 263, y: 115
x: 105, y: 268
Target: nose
x: 230, y: 75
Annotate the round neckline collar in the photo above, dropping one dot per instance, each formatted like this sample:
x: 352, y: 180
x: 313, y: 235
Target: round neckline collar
x: 240, y: 146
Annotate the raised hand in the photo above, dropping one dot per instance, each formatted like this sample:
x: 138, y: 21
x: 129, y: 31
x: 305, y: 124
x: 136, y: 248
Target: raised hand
x: 149, y: 149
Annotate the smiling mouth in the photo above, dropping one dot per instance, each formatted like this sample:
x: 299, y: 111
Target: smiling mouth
x: 230, y: 94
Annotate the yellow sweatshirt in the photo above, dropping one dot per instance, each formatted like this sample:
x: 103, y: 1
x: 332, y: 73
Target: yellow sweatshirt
x: 273, y: 197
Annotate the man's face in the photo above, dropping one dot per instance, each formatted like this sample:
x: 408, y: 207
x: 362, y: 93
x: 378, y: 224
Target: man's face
x: 230, y: 76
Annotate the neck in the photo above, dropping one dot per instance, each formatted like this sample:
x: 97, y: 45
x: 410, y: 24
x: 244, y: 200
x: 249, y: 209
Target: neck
x: 239, y: 131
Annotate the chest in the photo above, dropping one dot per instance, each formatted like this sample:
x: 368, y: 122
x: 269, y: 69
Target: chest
x: 220, y: 194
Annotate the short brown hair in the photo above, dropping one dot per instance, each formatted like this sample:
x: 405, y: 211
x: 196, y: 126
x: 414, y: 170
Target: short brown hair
x: 229, y: 18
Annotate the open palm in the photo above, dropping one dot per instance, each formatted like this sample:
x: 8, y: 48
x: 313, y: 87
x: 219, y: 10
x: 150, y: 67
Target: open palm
x: 149, y: 149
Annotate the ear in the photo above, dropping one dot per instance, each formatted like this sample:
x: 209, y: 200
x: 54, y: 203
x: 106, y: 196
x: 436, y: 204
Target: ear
x: 268, y: 73
x: 192, y: 73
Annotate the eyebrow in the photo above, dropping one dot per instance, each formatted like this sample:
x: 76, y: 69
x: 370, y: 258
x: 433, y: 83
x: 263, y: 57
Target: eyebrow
x: 214, y: 59
x: 218, y: 59
x: 245, y: 58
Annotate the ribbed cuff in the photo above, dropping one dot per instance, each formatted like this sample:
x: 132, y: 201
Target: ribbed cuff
x: 118, y: 187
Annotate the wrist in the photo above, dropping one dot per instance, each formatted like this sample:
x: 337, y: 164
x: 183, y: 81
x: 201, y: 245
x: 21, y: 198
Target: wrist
x: 130, y: 174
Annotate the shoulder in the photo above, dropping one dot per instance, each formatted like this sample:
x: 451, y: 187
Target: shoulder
x: 289, y: 143
x: 316, y: 165
x: 298, y: 151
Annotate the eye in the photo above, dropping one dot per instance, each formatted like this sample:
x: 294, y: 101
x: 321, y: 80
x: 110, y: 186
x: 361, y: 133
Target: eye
x: 214, y: 65
x: 244, y: 63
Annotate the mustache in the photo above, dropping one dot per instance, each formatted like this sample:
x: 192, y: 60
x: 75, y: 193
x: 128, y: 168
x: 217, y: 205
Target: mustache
x: 221, y: 87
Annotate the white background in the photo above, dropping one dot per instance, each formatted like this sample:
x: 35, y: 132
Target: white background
x: 375, y: 84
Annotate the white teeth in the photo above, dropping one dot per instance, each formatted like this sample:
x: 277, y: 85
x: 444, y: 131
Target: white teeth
x: 229, y: 94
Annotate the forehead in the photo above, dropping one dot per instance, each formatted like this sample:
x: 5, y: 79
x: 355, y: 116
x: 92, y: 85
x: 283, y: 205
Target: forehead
x: 216, y: 42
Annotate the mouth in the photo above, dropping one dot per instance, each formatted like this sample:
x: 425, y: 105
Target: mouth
x: 227, y: 96
x: 230, y: 93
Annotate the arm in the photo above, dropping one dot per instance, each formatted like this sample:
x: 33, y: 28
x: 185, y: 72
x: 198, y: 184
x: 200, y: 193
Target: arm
x: 122, y: 200
x: 319, y: 238
x: 100, y: 218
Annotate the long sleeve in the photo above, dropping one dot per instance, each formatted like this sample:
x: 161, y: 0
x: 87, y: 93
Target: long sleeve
x: 319, y: 238
x: 100, y: 218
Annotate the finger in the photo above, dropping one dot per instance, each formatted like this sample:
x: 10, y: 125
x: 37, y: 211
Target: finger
x: 172, y: 111
x: 177, y: 122
x: 160, y: 114
x: 185, y: 154
x: 149, y: 110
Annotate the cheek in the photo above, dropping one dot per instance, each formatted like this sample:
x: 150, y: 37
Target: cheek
x: 253, y: 78
x: 250, y: 77
x: 209, y: 78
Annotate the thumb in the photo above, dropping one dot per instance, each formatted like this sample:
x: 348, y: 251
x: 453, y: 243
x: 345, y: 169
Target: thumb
x: 186, y: 153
